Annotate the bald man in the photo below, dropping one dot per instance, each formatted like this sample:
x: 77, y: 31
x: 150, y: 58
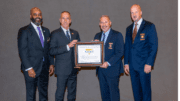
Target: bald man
x: 141, y: 45
x: 36, y: 63
x: 111, y: 69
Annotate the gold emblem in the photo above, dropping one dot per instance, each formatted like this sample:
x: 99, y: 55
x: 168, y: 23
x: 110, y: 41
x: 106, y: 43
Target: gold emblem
x: 142, y: 36
x: 89, y: 51
x: 110, y: 45
x: 72, y: 33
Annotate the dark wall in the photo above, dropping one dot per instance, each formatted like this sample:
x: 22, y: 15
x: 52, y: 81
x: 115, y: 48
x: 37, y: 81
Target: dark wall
x: 85, y: 19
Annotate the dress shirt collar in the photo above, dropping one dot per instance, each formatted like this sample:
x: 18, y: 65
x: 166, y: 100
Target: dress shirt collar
x: 35, y: 26
x: 65, y: 30
x: 107, y: 33
x: 139, y: 22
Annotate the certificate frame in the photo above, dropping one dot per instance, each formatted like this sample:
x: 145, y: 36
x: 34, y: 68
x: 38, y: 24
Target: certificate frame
x: 76, y: 48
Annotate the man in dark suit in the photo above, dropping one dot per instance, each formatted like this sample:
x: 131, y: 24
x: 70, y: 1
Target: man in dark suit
x: 36, y: 64
x: 140, y: 51
x: 62, y: 46
x: 111, y: 69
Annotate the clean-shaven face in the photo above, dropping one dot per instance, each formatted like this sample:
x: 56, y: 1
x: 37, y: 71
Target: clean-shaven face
x: 136, y: 13
x: 105, y: 24
x: 65, y: 20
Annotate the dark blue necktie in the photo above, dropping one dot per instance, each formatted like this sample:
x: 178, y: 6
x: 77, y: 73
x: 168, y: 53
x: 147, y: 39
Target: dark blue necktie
x: 103, y: 37
x: 67, y: 35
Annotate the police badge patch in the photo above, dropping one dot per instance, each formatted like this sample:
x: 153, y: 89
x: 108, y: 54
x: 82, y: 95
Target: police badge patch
x: 142, y: 36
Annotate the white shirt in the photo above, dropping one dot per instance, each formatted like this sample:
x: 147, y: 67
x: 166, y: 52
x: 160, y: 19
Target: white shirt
x: 35, y: 27
x: 64, y: 30
x: 106, y: 35
x: 138, y: 26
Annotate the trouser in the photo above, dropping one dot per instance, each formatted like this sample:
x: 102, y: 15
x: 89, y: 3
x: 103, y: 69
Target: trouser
x: 109, y: 87
x: 69, y: 81
x: 141, y: 85
x: 40, y: 81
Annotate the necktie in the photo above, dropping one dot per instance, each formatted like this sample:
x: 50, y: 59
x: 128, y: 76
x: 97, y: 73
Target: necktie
x: 134, y: 32
x: 103, y: 37
x: 67, y: 35
x: 41, y: 37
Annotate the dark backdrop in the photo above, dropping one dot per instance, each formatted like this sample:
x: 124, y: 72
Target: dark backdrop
x: 85, y: 19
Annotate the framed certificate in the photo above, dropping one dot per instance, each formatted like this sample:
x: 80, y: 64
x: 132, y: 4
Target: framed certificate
x: 89, y: 53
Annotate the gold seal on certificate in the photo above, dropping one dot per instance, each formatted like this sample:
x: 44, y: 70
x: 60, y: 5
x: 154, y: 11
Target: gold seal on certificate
x: 89, y: 53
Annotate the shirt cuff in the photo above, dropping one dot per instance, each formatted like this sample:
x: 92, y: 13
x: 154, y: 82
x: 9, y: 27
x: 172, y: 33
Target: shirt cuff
x: 109, y: 64
x: 28, y: 69
x: 67, y: 48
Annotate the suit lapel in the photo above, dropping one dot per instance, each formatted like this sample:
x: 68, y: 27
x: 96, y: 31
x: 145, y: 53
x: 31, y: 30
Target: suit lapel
x: 35, y: 35
x: 45, y: 37
x: 131, y: 31
x: 139, y: 31
x: 73, y: 37
x: 63, y: 35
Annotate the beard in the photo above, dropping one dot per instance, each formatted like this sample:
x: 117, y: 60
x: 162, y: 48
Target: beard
x: 34, y: 20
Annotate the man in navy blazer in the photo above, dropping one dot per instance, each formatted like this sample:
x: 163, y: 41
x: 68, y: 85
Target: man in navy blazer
x: 62, y: 44
x: 141, y: 45
x: 36, y: 63
x: 111, y: 69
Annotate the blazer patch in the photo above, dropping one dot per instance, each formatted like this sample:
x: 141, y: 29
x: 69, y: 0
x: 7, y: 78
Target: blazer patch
x: 48, y: 39
x: 110, y: 45
x: 142, y: 36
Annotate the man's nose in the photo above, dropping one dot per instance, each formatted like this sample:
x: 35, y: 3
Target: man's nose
x: 65, y: 20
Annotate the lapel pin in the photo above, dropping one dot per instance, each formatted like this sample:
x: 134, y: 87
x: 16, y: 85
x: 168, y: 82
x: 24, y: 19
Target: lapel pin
x: 72, y: 33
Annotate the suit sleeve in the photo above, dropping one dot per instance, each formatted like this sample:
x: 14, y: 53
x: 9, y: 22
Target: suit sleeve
x: 78, y: 37
x: 51, y: 57
x: 153, y: 45
x: 119, y: 50
x: 54, y: 48
x: 96, y: 37
x: 23, y: 48
x: 126, y: 48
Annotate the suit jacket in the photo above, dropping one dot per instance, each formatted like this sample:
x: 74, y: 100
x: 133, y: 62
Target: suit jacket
x: 65, y: 61
x: 144, y: 48
x: 31, y: 51
x: 113, y: 54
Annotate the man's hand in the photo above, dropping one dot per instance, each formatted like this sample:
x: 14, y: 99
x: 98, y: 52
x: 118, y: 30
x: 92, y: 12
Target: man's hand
x: 31, y: 73
x: 147, y: 68
x: 51, y: 69
x: 105, y: 65
x: 72, y: 43
x: 126, y: 69
x: 77, y: 67
x: 96, y: 40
